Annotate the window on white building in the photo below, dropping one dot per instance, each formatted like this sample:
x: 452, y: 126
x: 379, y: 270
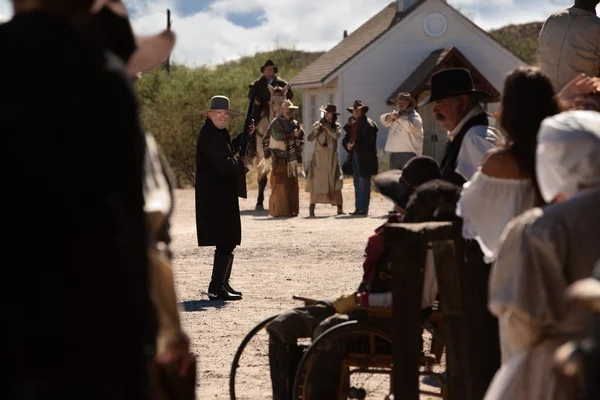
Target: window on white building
x: 313, y: 108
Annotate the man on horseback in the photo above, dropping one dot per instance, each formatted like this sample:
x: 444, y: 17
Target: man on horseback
x: 262, y: 92
x: 262, y: 98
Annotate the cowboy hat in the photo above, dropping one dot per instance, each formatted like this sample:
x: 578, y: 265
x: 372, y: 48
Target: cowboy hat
x: 398, y: 185
x: 288, y: 104
x: 269, y: 63
x: 358, y: 104
x: 452, y: 82
x: 330, y: 108
x: 406, y: 97
x: 220, y: 103
x: 145, y: 53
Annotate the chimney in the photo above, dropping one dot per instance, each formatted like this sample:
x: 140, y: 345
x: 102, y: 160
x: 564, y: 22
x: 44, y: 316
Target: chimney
x: 403, y: 5
x: 345, y: 34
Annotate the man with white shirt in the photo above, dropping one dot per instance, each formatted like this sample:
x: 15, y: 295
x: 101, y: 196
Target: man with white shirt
x: 456, y: 106
x: 405, y: 138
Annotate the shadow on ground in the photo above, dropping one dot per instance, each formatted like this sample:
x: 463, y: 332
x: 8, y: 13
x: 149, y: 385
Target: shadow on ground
x: 255, y: 213
x: 201, y: 305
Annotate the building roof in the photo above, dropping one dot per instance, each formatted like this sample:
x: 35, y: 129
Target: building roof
x: 331, y: 61
x: 449, y: 57
x: 422, y: 73
x: 344, y: 51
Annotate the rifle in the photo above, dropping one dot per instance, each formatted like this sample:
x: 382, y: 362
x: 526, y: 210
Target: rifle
x: 245, y: 133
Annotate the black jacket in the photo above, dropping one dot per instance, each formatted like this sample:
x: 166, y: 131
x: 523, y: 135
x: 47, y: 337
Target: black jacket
x: 220, y: 180
x: 365, y: 147
x: 261, y: 87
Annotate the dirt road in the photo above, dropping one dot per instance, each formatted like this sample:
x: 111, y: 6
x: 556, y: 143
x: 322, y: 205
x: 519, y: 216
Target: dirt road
x: 317, y: 257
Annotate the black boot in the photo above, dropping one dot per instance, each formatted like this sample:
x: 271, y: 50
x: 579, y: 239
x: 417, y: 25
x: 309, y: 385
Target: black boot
x: 227, y: 286
x: 262, y: 184
x: 283, y: 362
x: 216, y: 289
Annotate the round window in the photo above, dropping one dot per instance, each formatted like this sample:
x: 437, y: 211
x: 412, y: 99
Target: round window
x: 435, y: 24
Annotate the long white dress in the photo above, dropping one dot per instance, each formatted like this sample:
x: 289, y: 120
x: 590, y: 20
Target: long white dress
x: 542, y: 252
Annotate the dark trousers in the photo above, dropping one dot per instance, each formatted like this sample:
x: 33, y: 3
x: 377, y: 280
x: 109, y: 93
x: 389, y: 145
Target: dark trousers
x: 225, y: 249
x: 398, y: 160
x: 362, y: 186
x: 307, y: 322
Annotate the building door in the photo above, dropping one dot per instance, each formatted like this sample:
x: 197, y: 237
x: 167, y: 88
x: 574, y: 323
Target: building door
x: 434, y: 135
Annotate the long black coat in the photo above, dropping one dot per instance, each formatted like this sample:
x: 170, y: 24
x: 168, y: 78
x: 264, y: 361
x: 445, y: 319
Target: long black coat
x: 365, y: 146
x: 220, y: 180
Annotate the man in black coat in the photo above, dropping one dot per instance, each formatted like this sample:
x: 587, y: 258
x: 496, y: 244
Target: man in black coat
x: 220, y: 180
x: 76, y: 302
x: 360, y: 143
x: 261, y: 88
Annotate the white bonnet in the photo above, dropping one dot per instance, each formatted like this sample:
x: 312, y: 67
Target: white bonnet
x: 568, y: 153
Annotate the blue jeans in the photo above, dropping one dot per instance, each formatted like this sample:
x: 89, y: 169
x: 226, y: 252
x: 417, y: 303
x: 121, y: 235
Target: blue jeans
x: 362, y: 187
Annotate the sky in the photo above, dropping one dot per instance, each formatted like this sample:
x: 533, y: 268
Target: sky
x: 212, y: 31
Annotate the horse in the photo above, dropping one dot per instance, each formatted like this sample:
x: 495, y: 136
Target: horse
x: 277, y: 98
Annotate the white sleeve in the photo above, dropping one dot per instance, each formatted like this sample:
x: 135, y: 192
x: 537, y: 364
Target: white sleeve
x: 386, y: 120
x: 472, y: 150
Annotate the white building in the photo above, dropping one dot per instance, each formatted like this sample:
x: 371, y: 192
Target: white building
x: 397, y: 51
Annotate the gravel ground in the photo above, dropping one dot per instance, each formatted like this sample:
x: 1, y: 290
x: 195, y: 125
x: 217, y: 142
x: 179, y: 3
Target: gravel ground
x: 318, y: 257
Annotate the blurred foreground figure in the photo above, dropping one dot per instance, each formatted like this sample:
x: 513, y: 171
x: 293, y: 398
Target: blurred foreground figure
x: 79, y: 319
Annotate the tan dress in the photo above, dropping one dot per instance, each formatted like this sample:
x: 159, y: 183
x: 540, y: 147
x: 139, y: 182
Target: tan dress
x: 325, y: 180
x: 285, y: 151
x: 543, y: 251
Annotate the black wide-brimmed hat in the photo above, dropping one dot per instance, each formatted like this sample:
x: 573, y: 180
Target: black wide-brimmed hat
x: 398, y: 185
x: 220, y: 103
x: 357, y: 106
x: 330, y: 108
x: 269, y: 63
x: 452, y: 82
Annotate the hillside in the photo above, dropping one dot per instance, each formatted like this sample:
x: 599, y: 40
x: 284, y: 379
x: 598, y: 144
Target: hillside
x: 520, y: 39
x: 170, y: 104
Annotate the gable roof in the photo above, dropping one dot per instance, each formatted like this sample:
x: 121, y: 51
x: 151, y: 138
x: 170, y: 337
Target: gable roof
x: 344, y: 51
x: 422, y: 73
x: 331, y: 61
x: 449, y: 57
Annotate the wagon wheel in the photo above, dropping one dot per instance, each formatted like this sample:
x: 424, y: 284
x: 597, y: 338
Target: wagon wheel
x: 257, y: 370
x: 350, y: 360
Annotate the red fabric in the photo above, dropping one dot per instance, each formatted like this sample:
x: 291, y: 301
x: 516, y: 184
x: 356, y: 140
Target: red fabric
x: 375, y: 246
x: 353, y: 132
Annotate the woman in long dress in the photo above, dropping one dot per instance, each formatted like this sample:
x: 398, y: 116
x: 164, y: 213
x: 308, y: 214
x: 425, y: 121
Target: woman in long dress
x: 325, y: 178
x: 541, y: 253
x: 282, y: 145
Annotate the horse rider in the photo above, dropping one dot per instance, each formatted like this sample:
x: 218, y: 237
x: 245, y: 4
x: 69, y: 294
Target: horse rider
x: 261, y: 89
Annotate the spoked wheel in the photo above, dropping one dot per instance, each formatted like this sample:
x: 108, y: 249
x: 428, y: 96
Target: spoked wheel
x: 250, y: 365
x: 348, y: 361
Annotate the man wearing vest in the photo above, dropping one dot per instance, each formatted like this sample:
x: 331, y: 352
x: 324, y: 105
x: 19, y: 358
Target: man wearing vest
x: 456, y: 106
